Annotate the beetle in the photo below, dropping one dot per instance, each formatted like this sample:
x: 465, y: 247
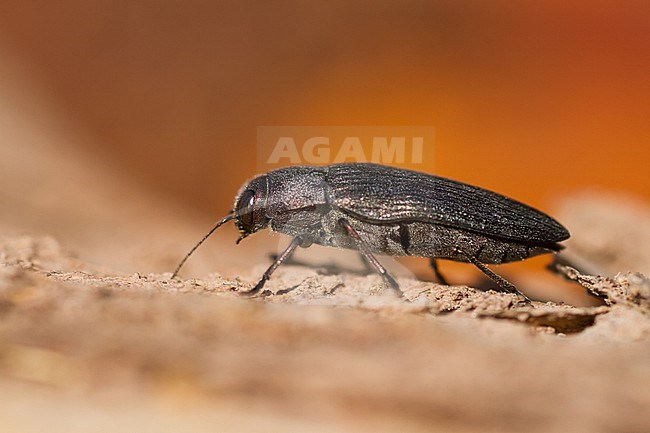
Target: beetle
x: 378, y: 209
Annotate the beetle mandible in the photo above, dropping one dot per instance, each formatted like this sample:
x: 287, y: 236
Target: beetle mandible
x: 379, y: 209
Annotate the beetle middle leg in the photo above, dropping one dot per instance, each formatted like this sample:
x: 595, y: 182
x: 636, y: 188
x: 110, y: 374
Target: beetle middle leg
x: 370, y: 258
x: 434, y: 266
x: 278, y: 261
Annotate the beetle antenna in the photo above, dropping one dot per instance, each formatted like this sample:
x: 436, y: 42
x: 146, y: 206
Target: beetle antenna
x: 230, y: 216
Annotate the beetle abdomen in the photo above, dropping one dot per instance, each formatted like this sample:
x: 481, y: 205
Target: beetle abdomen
x: 433, y: 241
x: 457, y: 244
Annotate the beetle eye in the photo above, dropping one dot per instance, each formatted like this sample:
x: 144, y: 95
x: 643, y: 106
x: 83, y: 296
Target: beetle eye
x: 245, y: 210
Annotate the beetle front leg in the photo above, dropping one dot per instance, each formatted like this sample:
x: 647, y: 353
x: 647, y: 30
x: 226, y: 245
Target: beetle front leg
x: 278, y: 261
x: 367, y: 254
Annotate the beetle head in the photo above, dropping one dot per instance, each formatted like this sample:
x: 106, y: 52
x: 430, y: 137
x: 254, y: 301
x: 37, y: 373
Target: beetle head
x: 250, y: 207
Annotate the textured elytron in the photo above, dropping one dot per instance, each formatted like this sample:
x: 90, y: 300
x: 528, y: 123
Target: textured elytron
x: 387, y: 194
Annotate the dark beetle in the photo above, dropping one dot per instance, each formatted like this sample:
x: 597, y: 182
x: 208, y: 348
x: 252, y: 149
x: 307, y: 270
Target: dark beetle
x: 386, y: 210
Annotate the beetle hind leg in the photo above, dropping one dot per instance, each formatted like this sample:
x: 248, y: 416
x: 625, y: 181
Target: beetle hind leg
x: 370, y: 258
x: 502, y: 282
x: 436, y: 270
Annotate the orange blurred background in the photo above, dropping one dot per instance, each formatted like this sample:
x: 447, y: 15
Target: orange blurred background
x: 532, y: 100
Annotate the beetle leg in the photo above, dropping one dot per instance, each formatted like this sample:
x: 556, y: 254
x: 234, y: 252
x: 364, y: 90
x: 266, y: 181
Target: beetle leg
x: 370, y: 258
x: 278, y: 261
x: 289, y: 261
x: 367, y: 266
x: 502, y: 282
x: 434, y: 266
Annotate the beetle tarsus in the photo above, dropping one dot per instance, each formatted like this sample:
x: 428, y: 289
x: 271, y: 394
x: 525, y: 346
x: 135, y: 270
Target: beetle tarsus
x: 258, y: 287
x: 434, y: 266
x: 393, y: 284
x: 370, y: 258
x: 284, y: 256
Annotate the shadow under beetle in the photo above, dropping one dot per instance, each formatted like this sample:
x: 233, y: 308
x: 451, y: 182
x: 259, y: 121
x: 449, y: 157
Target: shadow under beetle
x: 374, y: 208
